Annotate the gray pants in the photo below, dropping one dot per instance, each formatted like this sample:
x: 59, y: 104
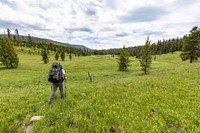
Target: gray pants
x: 54, y: 88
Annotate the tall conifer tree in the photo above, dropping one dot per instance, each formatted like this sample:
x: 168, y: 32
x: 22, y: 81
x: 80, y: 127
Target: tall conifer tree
x: 8, y: 55
x: 9, y: 34
x: 145, y: 59
x: 191, y: 46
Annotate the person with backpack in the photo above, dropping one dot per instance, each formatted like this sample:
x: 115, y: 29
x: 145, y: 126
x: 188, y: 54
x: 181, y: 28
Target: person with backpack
x: 56, y: 76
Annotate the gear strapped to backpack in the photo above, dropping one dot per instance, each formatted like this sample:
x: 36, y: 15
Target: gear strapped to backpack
x: 55, y: 73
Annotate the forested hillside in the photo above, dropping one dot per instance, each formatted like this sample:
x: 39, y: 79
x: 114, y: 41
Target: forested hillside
x: 24, y: 38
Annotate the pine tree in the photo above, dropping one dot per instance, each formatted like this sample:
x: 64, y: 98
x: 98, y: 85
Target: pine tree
x: 29, y: 41
x: 3, y: 52
x: 191, y: 46
x: 123, y: 59
x: 145, y: 59
x: 56, y: 56
x: 16, y: 38
x: 62, y: 55
x: 70, y: 56
x: 45, y: 55
x: 8, y: 56
x: 172, y: 46
x: 9, y: 34
x: 17, y: 34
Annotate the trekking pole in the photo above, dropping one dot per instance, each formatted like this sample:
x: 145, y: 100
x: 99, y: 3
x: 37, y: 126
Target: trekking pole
x: 90, y: 77
x: 65, y: 88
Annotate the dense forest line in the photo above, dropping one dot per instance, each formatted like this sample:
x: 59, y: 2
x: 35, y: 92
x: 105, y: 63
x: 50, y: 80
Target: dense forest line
x: 160, y: 47
x: 189, y: 44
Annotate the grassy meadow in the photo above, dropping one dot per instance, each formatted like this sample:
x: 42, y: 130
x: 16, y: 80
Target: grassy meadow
x: 165, y: 100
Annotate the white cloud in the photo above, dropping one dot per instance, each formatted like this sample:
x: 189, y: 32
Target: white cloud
x: 100, y: 24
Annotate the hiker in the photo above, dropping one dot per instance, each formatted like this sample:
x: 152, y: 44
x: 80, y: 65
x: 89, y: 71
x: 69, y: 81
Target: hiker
x: 56, y: 77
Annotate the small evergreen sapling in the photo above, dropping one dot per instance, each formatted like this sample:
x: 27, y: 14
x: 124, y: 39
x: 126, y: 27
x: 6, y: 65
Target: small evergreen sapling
x: 62, y: 55
x: 70, y: 56
x: 123, y: 59
x: 56, y: 56
x: 45, y: 55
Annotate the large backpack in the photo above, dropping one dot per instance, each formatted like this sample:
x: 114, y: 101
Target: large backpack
x: 55, y: 73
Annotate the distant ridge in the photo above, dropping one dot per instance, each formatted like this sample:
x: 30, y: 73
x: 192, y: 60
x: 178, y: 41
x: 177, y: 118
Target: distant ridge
x: 45, y: 40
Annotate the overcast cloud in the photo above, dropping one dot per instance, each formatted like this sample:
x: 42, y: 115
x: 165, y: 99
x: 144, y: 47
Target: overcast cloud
x: 100, y: 24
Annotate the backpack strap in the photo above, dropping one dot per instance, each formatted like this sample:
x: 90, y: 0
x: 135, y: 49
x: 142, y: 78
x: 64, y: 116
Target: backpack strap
x: 60, y: 75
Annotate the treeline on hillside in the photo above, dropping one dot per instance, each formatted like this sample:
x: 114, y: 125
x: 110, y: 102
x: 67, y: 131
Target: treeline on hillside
x: 19, y: 41
x: 9, y: 57
x: 160, y: 47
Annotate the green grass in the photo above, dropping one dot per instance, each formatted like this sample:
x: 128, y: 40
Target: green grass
x: 166, y: 100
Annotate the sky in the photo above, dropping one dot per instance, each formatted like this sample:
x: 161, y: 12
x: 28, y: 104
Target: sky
x: 100, y: 24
